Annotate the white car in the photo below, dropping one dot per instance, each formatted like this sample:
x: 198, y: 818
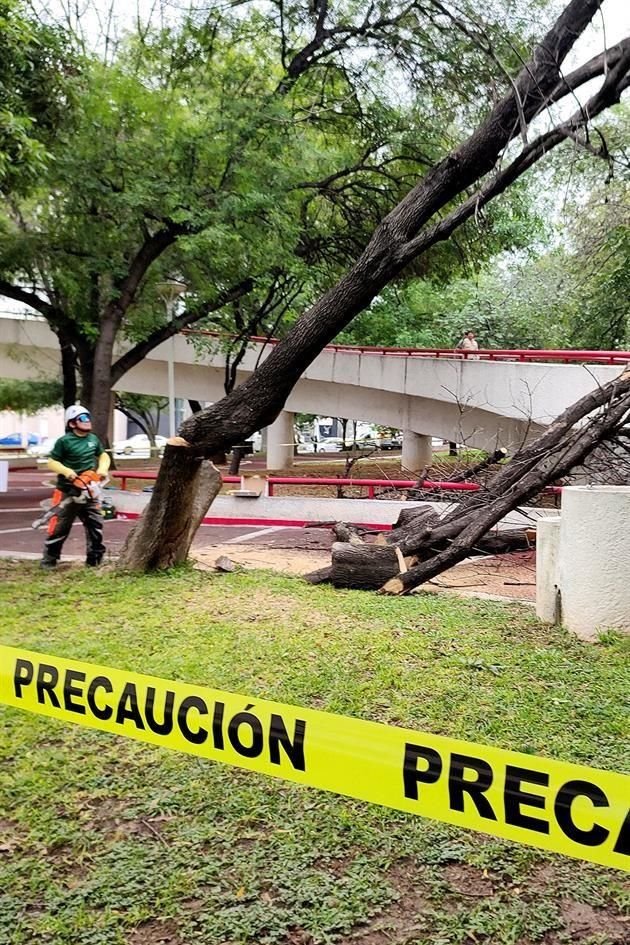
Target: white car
x: 138, y: 446
x: 333, y: 444
x: 42, y: 450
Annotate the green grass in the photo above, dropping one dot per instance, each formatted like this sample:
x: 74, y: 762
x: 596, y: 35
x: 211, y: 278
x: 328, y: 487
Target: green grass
x: 104, y: 841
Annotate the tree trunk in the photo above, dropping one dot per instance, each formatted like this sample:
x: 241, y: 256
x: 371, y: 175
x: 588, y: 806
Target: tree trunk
x: 68, y: 369
x: 183, y: 493
x: 400, y: 238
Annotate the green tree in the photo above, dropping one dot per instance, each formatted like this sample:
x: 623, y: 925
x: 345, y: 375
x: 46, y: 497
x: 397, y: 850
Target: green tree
x: 250, y: 156
x: 34, y: 63
x: 29, y: 396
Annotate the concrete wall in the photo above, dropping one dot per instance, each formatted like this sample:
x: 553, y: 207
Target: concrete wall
x: 377, y: 512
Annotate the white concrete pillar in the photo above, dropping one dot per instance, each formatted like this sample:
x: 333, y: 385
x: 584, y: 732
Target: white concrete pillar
x: 595, y: 559
x: 547, y: 570
x: 280, y: 442
x: 416, y: 451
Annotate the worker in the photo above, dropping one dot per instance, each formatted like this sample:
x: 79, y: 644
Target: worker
x: 79, y: 459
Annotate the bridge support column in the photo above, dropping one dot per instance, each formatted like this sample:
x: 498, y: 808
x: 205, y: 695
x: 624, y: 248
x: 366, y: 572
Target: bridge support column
x: 280, y: 442
x: 416, y: 451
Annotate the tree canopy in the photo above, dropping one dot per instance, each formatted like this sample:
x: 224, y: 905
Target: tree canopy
x: 250, y: 155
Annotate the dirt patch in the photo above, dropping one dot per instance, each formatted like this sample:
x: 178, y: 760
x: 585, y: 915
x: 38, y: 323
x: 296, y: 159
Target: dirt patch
x: 402, y: 919
x: 106, y: 815
x: 511, y: 575
x: 11, y: 839
x: 286, y: 561
x: 155, y: 932
x: 583, y: 922
x: 469, y: 880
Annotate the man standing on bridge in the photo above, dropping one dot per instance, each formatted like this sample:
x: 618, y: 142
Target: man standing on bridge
x: 78, y: 458
x: 468, y: 343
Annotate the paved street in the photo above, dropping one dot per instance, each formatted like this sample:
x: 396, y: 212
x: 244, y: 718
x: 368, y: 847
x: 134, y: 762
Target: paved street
x: 27, y: 488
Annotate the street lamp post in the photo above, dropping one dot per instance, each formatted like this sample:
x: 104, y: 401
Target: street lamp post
x: 169, y: 292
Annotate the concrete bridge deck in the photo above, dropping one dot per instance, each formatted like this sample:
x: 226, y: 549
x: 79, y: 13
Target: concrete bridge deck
x: 486, y: 399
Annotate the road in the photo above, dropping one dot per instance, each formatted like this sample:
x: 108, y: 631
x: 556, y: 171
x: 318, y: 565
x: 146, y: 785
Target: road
x: 27, y: 488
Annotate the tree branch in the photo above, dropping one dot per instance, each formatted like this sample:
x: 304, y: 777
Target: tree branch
x: 164, y: 332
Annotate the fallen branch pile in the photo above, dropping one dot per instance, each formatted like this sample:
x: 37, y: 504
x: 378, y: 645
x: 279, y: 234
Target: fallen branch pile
x: 423, y: 543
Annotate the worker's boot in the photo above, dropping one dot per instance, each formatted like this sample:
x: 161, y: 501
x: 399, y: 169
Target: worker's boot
x: 47, y: 563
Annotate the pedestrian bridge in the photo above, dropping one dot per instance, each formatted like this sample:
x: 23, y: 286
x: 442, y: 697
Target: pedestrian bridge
x: 484, y: 399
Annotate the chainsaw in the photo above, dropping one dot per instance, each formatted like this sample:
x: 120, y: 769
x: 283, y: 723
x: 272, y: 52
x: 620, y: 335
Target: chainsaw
x: 86, y: 487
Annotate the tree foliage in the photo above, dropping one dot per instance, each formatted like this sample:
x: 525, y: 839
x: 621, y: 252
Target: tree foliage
x: 34, y: 62
x: 29, y: 396
x: 250, y: 155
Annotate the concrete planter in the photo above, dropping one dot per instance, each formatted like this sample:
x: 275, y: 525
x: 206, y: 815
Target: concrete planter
x: 594, y: 559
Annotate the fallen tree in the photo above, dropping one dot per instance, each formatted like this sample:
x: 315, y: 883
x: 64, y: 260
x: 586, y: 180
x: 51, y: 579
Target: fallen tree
x: 477, y: 171
x: 422, y: 544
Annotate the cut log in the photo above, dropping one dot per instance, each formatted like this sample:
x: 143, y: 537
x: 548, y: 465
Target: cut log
x: 223, y: 563
x: 415, y: 514
x: 366, y: 566
x: 413, y: 527
x: 343, y: 532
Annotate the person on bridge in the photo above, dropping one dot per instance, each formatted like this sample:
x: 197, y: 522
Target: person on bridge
x: 468, y: 343
x: 74, y: 454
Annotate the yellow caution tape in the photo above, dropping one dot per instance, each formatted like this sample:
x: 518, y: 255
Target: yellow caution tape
x: 568, y: 808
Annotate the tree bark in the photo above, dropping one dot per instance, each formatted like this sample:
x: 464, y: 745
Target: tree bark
x: 362, y: 566
x: 68, y: 369
x: 365, y: 566
x: 179, y: 503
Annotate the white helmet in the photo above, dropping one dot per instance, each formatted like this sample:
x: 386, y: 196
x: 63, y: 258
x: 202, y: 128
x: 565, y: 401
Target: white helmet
x: 75, y: 411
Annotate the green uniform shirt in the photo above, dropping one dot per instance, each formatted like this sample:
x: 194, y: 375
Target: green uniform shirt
x: 77, y: 452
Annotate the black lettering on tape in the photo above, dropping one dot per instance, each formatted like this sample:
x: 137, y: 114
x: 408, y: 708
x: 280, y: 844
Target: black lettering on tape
x: 217, y: 723
x: 192, y: 702
x: 70, y: 691
x: 128, y: 707
x: 562, y: 808
x: 458, y: 785
x: 278, y: 736
x: 246, y: 718
x: 623, y: 840
x: 105, y: 712
x: 411, y: 776
x: 514, y: 796
x: 47, y: 679
x: 22, y: 676
x: 165, y: 727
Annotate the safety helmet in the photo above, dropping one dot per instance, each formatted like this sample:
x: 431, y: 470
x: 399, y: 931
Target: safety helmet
x: 75, y: 411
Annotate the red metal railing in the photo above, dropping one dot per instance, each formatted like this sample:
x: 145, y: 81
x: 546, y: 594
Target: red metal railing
x: 559, y: 355
x: 370, y: 484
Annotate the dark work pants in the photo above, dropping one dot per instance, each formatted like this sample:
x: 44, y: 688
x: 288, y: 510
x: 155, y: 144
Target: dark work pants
x: 60, y: 524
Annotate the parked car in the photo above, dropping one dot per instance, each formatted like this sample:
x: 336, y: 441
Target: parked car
x: 391, y: 443
x: 15, y: 439
x: 332, y: 444
x: 305, y: 446
x: 138, y: 446
x: 367, y: 443
x: 42, y: 450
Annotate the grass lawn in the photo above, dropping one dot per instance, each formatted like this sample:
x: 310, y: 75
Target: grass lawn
x: 105, y: 841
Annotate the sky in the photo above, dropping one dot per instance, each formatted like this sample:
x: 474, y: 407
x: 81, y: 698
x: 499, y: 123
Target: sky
x: 613, y: 21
